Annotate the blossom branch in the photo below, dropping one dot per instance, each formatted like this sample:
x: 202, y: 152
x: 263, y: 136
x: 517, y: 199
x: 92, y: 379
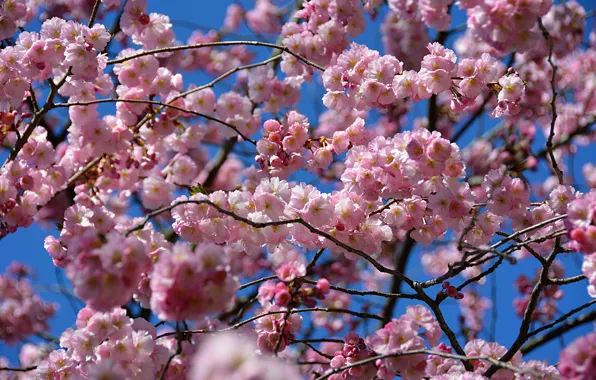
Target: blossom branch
x: 171, y: 357
x: 380, y: 267
x: 401, y: 260
x: 155, y: 102
x: 553, y: 105
x: 464, y: 358
x: 94, y: 13
x: 256, y: 282
x: 564, y: 281
x: 213, y: 44
x: 366, y: 292
x: 13, y: 369
x: 561, y: 318
x: 529, y: 312
x: 273, y: 312
x: 554, y: 333
x: 444, y: 326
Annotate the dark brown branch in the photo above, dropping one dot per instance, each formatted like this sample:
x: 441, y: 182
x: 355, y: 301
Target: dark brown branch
x: 464, y: 358
x: 553, y: 103
x: 13, y: 369
x: 556, y: 332
x: 94, y: 13
x: 155, y: 102
x: 565, y: 281
x: 583, y: 130
x: 311, y: 228
x: 444, y: 326
x: 171, y: 357
x: 401, y: 261
x: 294, y: 311
x: 561, y: 318
x: 214, y: 44
x: 256, y: 282
x: 529, y: 312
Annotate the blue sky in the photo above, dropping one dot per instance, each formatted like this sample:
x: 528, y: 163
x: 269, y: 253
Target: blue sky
x: 27, y: 245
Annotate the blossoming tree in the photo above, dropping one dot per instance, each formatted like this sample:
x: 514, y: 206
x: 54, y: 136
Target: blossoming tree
x: 188, y: 230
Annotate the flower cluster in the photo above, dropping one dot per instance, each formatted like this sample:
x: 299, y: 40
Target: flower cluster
x: 322, y: 33
x: 282, y: 147
x: 107, y: 345
x: 274, y: 94
x: 150, y: 30
x: 589, y: 270
x: 354, y: 350
x: 28, y: 183
x: 107, y: 276
x: 265, y: 17
x: 402, y: 335
x: 437, y: 261
x: 405, y: 38
x: 229, y: 356
x: 11, y: 14
x: 276, y: 328
x: 22, y: 312
x: 581, y: 223
x: 103, y: 265
x: 505, y: 25
x: 372, y: 80
x: 189, y: 283
x: 434, y: 13
x: 474, y: 306
x: 578, y: 360
x: 565, y: 24
x: 360, y: 78
x: 290, y: 293
x: 400, y: 168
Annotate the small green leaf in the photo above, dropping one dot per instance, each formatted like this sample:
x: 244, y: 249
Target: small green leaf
x: 197, y: 189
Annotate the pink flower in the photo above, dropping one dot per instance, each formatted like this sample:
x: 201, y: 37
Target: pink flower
x: 578, y: 360
x: 229, y: 356
x: 436, y: 81
x: 512, y: 88
x: 289, y: 271
x: 156, y: 192
x: 187, y: 284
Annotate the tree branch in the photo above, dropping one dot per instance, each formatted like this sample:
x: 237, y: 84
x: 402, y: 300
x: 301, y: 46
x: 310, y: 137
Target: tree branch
x: 214, y: 44
x: 554, y: 333
x: 553, y: 103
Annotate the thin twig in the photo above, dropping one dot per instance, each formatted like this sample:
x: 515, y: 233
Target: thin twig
x: 561, y: 318
x: 529, y: 312
x: 155, y: 102
x: 13, y: 369
x: 556, y: 332
x: 553, y: 103
x: 380, y: 267
x: 93, y: 13
x: 464, y: 358
x: 214, y: 44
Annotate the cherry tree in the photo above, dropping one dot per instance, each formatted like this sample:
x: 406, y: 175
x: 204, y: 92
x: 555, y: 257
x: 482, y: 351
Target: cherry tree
x: 211, y: 230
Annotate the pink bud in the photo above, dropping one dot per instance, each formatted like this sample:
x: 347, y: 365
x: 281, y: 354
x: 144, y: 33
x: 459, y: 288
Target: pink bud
x: 323, y: 285
x: 144, y: 19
